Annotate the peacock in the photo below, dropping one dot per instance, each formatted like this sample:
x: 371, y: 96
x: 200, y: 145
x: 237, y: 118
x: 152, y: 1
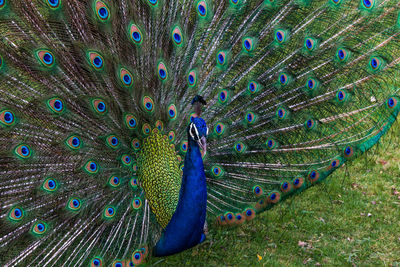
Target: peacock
x: 128, y: 128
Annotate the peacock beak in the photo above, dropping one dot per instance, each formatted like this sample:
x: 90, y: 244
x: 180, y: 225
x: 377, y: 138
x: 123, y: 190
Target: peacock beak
x: 203, y: 143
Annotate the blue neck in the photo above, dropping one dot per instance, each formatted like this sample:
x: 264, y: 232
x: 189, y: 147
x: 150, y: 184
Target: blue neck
x: 185, y: 229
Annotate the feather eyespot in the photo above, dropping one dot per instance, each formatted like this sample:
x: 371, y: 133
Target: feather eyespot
x: 341, y: 96
x: 74, y: 204
x: 171, y: 136
x: 114, y: 181
x: 217, y: 171
x: 134, y: 183
x: 162, y: 71
x: 125, y: 77
x: 239, y: 218
x: 252, y: 87
x: 298, y: 182
x: 16, y: 214
x: 148, y: 104
x: 73, y: 142
x: 118, y: 263
x: 348, y: 152
x: 23, y: 151
x: 257, y: 190
x: 223, y: 96
x: 46, y: 58
x: 177, y: 36
x: 334, y: 164
x: 313, y: 176
x: 311, y: 84
x: 248, y: 44
x: 91, y: 167
x: 134, y: 168
x: 239, y: 147
x: 130, y: 121
x: 273, y: 197
x: 2, y: 3
x: 368, y: 4
x: 342, y: 55
x: 102, y: 11
x: 391, y: 102
x: 54, y: 4
x: 249, y: 214
x: 250, y: 117
x: 95, y: 60
x: 135, y: 144
x: 286, y: 186
x: 56, y: 105
x: 109, y: 212
x: 221, y: 220
x: 270, y: 144
x: 159, y: 125
x: 310, y: 124
x: 229, y: 217
x: 172, y: 114
x: 153, y: 2
x: 184, y: 146
x: 99, y: 106
x: 281, y: 36
x: 136, y: 203
x: 135, y: 34
x: 50, y: 185
x: 7, y: 118
x: 283, y: 79
x: 202, y: 9
x: 375, y: 63
x: 281, y: 113
x: 39, y: 228
x: 192, y: 78
x: 126, y: 160
x: 221, y: 58
x: 96, y: 262
x: 112, y: 141
x: 310, y: 44
x: 261, y: 204
x: 137, y: 257
x: 146, y: 129
x: 219, y: 128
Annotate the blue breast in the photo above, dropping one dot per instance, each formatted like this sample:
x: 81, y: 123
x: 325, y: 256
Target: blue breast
x: 185, y: 229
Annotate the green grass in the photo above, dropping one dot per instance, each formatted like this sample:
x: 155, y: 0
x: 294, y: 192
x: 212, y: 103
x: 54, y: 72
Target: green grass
x: 352, y: 218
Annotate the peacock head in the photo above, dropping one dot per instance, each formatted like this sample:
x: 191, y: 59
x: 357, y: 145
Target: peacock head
x: 198, y: 102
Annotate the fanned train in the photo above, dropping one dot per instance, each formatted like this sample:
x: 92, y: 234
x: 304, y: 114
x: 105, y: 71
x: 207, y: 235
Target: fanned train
x: 128, y: 127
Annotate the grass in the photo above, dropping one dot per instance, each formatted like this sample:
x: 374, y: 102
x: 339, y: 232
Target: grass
x: 352, y: 218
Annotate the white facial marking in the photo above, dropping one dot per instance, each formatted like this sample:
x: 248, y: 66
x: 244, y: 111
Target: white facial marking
x: 192, y: 125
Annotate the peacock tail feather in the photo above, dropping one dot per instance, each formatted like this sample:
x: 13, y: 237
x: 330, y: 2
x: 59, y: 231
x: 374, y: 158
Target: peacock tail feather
x: 95, y: 102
